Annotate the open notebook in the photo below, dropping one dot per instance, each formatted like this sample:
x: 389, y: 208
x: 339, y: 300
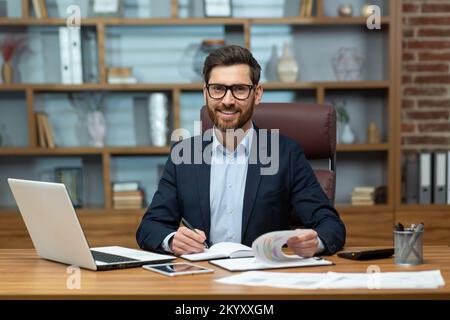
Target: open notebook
x: 221, y: 250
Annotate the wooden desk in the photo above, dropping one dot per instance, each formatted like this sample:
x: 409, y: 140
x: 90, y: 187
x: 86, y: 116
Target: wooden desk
x: 23, y: 275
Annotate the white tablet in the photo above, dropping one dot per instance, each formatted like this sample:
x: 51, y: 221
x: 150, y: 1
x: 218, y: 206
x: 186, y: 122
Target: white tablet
x: 177, y: 268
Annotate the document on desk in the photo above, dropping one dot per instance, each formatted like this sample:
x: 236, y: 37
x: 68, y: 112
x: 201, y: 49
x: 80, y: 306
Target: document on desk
x: 332, y: 280
x: 266, y: 248
x: 269, y: 254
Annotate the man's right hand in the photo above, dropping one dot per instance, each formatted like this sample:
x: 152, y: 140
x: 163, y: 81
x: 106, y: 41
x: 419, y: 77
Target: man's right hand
x: 186, y: 241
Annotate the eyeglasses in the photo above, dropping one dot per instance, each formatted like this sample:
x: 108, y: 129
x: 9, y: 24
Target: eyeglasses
x: 239, y: 91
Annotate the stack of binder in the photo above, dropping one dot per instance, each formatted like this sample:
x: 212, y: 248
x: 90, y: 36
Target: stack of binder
x: 427, y: 177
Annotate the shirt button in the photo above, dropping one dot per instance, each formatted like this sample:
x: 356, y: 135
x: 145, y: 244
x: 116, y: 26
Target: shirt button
x: 229, y: 186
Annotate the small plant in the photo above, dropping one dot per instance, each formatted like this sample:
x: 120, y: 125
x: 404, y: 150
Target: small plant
x: 341, y: 112
x: 10, y: 45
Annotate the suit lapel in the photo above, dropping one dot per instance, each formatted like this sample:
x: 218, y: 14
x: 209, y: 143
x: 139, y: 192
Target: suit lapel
x: 252, y: 182
x: 203, y: 183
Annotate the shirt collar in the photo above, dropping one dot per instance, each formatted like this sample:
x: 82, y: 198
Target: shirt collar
x: 245, y: 143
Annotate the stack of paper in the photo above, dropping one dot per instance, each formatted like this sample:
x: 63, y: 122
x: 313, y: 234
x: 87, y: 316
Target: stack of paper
x: 332, y: 280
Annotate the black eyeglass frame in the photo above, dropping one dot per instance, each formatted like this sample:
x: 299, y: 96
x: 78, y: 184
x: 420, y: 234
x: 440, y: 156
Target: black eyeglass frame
x: 250, y: 86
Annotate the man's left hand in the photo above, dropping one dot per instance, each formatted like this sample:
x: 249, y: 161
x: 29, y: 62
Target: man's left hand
x: 306, y: 244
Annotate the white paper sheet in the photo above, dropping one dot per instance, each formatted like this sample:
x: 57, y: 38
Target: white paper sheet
x: 332, y: 280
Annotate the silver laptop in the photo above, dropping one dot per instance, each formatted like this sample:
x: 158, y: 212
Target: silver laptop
x: 56, y: 232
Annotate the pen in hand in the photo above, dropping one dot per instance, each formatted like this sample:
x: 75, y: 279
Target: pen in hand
x: 188, y: 225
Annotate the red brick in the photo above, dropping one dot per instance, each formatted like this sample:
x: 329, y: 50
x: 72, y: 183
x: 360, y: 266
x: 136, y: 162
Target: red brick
x: 432, y: 33
x: 407, y: 79
x: 434, y: 127
x: 432, y: 56
x: 408, y: 104
x: 418, y: 91
x: 407, y: 56
x: 433, y: 79
x: 428, y: 44
x: 426, y: 140
x: 426, y: 67
x: 433, y: 103
x: 410, y: 7
x: 408, y: 33
x: 428, y: 20
x: 435, y: 7
x: 408, y: 127
x: 427, y: 115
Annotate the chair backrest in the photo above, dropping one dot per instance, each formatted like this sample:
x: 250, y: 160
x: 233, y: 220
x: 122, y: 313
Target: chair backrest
x: 313, y: 126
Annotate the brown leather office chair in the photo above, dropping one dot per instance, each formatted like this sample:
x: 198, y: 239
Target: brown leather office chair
x: 313, y: 126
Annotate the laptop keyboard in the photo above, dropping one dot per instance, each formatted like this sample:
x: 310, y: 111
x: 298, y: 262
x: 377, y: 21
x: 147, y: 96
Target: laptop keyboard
x: 109, y: 258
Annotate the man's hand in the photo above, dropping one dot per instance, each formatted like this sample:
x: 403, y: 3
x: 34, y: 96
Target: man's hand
x: 186, y: 241
x: 304, y: 245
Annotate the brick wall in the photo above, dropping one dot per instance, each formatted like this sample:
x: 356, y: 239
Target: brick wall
x: 425, y: 73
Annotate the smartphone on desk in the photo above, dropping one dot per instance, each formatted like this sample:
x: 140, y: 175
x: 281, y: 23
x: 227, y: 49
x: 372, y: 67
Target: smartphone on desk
x: 177, y: 268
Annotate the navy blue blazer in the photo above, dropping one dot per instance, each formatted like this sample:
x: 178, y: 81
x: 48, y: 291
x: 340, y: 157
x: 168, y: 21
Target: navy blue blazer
x: 183, y: 191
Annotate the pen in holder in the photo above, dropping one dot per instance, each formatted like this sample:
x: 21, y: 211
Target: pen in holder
x: 409, y: 245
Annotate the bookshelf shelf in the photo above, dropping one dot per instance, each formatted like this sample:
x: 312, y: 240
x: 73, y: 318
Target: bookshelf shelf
x: 383, y: 84
x: 32, y: 151
x: 191, y: 21
x: 362, y: 147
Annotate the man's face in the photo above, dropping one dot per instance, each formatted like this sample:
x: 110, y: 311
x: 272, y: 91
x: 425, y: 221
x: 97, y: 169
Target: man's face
x: 230, y: 112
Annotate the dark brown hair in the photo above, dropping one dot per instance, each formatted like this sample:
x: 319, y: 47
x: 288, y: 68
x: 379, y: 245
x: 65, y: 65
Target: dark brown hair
x: 232, y: 55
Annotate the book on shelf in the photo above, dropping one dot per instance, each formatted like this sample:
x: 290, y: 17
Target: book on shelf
x: 369, y: 195
x: 125, y: 186
x: 40, y: 9
x: 72, y: 178
x: 115, y: 80
x: 120, y: 75
x: 40, y: 130
x: 306, y: 7
x: 45, y: 132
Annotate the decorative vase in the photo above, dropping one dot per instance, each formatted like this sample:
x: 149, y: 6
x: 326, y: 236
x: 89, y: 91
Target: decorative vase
x: 348, y: 64
x: 7, y: 72
x: 347, y: 137
x: 373, y: 134
x: 345, y: 10
x: 203, y: 51
x: 159, y: 113
x: 97, y: 128
x: 272, y: 65
x: 287, y: 66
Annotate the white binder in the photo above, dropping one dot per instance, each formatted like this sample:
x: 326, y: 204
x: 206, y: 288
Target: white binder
x: 425, y: 178
x: 64, y: 51
x: 448, y: 177
x: 440, y: 175
x: 75, y: 55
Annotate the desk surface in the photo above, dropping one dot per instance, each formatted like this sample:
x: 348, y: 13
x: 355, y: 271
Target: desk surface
x: 23, y: 275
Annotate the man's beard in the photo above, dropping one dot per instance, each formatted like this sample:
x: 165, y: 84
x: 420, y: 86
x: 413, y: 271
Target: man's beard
x: 224, y: 125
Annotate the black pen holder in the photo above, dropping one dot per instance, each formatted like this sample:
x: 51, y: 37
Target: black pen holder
x: 408, y: 246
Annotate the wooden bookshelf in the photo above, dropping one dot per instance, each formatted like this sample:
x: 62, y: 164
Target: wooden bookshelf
x: 382, y: 214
